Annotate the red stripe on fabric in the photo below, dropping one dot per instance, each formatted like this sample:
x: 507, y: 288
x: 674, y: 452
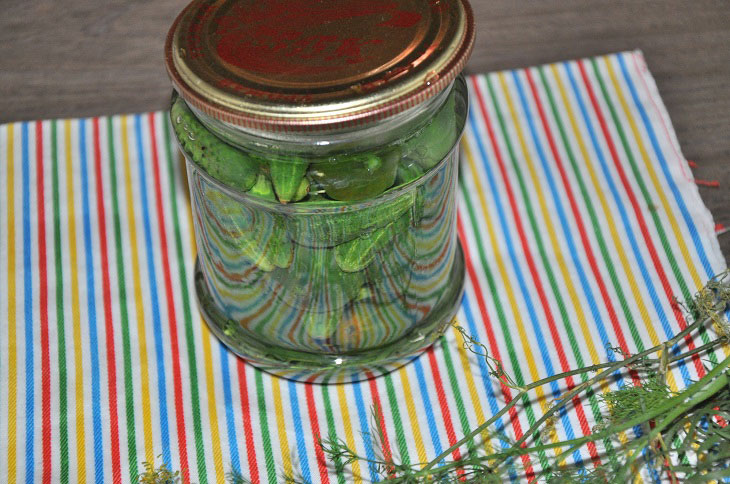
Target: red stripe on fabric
x: 579, y: 220
x: 253, y: 466
x: 639, y: 216
x: 172, y: 319
x: 493, y: 347
x: 312, y: 409
x: 387, y: 453
x: 445, y: 413
x: 43, y: 302
x: 107, y: 297
x: 585, y: 428
x: 581, y: 229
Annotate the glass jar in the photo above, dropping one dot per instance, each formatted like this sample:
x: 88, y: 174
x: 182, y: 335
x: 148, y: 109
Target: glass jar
x: 324, y: 216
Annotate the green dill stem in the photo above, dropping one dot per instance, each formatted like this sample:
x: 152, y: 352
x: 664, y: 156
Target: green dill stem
x: 699, y: 349
x: 696, y: 397
x: 601, y: 375
x: 608, y: 368
x: 699, y: 392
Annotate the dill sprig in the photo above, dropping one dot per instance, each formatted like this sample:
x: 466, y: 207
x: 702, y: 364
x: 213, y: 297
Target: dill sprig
x: 158, y: 475
x: 677, y: 437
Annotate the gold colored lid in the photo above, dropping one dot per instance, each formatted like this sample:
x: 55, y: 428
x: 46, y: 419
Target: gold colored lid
x: 308, y: 64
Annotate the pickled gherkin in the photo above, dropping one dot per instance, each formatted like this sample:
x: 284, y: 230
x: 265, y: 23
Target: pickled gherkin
x: 356, y: 177
x: 343, y: 226
x: 408, y: 170
x: 287, y: 175
x: 262, y: 188
x: 429, y: 146
x: 219, y: 160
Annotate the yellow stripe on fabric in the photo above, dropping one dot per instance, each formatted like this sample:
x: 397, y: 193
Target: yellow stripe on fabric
x: 668, y: 210
x: 281, y: 425
x: 139, y: 303
x: 212, y: 410
x: 471, y: 386
x: 691, y: 265
x: 208, y: 362
x: 412, y: 415
x: 615, y: 237
x: 75, y: 309
x: 12, y: 318
x: 534, y: 374
x: 560, y: 257
x: 349, y: 438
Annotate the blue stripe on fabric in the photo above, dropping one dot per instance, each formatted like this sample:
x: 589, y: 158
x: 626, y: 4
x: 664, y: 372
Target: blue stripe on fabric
x: 521, y: 281
x: 565, y: 225
x: 432, y: 428
x: 365, y: 431
x: 28, y: 309
x: 157, y: 325
x: 624, y: 219
x: 230, y: 418
x: 487, y: 381
x: 91, y: 299
x: 665, y: 169
x: 301, y: 445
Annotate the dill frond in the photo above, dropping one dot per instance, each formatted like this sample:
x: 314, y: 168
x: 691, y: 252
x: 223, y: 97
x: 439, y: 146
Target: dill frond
x: 158, y: 475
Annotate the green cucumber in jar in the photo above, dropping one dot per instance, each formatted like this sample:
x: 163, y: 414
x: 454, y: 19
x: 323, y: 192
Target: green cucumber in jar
x: 408, y: 170
x: 333, y: 227
x: 263, y: 188
x: 218, y: 159
x: 357, y: 176
x: 435, y: 140
x: 280, y: 250
x: 287, y: 176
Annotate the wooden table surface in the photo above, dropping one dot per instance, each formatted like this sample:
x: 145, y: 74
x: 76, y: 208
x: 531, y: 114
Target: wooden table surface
x: 84, y: 57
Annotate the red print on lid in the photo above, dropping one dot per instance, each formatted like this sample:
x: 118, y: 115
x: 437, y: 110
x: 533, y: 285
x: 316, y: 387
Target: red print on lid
x: 298, y: 62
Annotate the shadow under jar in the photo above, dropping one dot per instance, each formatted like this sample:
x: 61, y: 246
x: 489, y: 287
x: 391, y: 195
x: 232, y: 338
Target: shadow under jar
x: 322, y: 157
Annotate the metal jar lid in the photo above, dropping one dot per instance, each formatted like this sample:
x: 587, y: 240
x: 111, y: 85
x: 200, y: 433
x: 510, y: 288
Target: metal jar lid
x: 292, y: 65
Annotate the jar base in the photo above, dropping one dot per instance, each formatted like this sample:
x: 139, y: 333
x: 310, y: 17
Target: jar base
x: 353, y: 366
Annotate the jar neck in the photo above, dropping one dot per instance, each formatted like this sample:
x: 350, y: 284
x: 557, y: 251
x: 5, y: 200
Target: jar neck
x: 322, y: 143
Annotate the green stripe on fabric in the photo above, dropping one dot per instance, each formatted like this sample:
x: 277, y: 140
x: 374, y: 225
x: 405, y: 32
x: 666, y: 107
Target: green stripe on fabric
x: 332, y: 430
x: 126, y: 345
x: 264, y: 424
x: 648, y: 201
x: 61, y: 323
x: 456, y: 391
x: 395, y: 413
x: 607, y: 258
x: 189, y: 333
x: 503, y: 323
x: 597, y: 230
x: 554, y: 286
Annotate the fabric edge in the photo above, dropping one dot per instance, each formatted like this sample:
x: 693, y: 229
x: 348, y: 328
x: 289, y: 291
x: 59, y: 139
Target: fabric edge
x: 707, y: 220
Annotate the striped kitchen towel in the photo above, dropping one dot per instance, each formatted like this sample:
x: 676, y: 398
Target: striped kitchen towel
x: 580, y: 223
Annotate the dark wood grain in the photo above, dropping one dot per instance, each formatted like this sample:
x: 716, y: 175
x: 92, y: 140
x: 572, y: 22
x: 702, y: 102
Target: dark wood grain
x: 85, y: 57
